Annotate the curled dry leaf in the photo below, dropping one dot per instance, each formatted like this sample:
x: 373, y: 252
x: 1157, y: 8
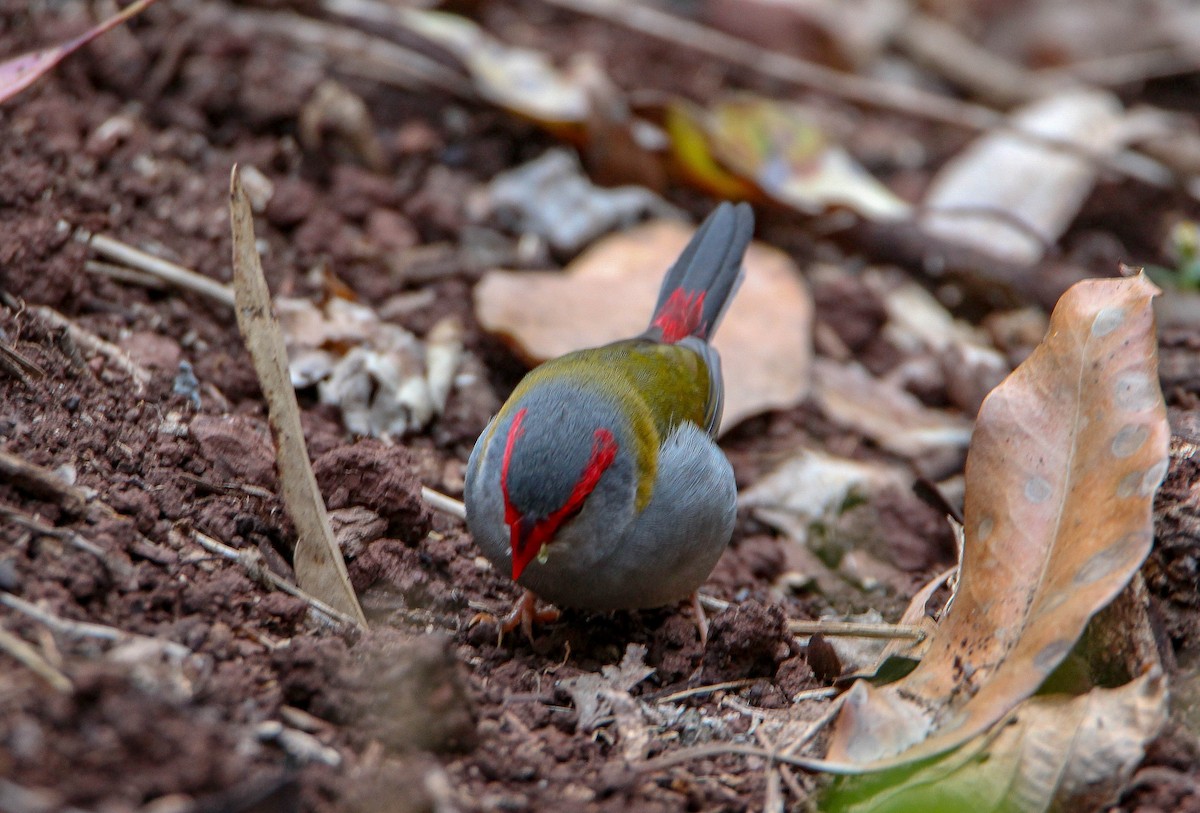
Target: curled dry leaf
x: 1055, y: 753
x: 320, y: 569
x: 551, y: 197
x: 1067, y: 455
x: 608, y: 293
x: 385, y: 380
x: 1013, y: 198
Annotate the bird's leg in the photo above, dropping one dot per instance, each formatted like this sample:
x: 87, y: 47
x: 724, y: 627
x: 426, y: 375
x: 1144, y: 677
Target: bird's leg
x: 700, y: 618
x: 525, y: 613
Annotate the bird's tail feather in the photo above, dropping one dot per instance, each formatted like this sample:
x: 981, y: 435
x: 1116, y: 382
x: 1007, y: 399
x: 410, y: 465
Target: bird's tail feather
x: 703, y: 280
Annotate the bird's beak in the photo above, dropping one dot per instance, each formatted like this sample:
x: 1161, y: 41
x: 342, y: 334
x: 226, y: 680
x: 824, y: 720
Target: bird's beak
x: 526, y: 543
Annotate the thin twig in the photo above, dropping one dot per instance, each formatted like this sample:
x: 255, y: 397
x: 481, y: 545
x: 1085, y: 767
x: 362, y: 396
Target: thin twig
x: 702, y: 690
x: 251, y: 560
x: 367, y: 56
x: 26, y: 654
x: 120, y: 273
x: 17, y: 365
x: 815, y: 694
x: 856, y: 629
x: 784, y: 67
x: 67, y: 537
x: 140, y: 375
x: 440, y: 502
x: 159, y: 268
x: 85, y: 629
x: 41, y: 482
x: 733, y: 748
x: 1117, y: 70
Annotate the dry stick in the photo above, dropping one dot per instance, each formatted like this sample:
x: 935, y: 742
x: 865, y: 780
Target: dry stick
x: 320, y: 568
x: 159, y: 268
x: 256, y: 568
x: 17, y: 365
x: 367, y: 56
x: 66, y: 536
x: 856, y: 629
x: 84, y: 629
x: 447, y: 505
x: 699, y: 690
x: 1115, y: 70
x: 856, y: 89
x: 964, y: 62
x: 92, y: 342
x: 41, y: 482
x: 26, y: 654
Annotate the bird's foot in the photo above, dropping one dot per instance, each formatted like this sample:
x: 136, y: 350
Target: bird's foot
x: 524, y: 614
x: 700, y: 618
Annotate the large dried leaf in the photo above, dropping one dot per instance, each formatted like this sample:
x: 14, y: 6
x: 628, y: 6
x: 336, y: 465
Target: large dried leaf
x: 1055, y: 752
x: 20, y: 72
x: 1012, y: 197
x: 609, y: 291
x: 320, y: 569
x: 1061, y: 475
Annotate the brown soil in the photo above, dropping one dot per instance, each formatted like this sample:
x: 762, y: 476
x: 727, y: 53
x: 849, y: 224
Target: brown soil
x: 134, y: 137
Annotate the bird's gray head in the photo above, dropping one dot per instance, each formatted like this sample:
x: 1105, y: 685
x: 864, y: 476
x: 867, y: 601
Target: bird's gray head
x: 554, y: 457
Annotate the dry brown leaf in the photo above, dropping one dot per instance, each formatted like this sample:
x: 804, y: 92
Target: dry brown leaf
x: 320, y: 569
x: 892, y: 417
x: 1056, y: 752
x: 609, y: 291
x: 1061, y: 475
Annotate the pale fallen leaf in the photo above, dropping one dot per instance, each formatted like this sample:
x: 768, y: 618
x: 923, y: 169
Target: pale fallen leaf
x: 892, y: 417
x: 1067, y: 455
x: 1012, y: 197
x: 320, y: 569
x: 551, y: 197
x: 20, y: 72
x: 1055, y: 752
x: 385, y: 381
x: 811, y: 487
x: 609, y: 291
x: 602, y: 696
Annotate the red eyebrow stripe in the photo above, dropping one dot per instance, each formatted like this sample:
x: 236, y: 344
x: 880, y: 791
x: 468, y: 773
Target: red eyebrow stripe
x: 515, y: 430
x: 604, y: 451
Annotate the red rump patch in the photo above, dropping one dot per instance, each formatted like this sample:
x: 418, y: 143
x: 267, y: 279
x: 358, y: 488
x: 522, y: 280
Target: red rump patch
x: 528, y: 539
x: 681, y: 316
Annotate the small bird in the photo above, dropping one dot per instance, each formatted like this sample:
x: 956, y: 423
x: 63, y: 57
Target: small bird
x: 598, y: 485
